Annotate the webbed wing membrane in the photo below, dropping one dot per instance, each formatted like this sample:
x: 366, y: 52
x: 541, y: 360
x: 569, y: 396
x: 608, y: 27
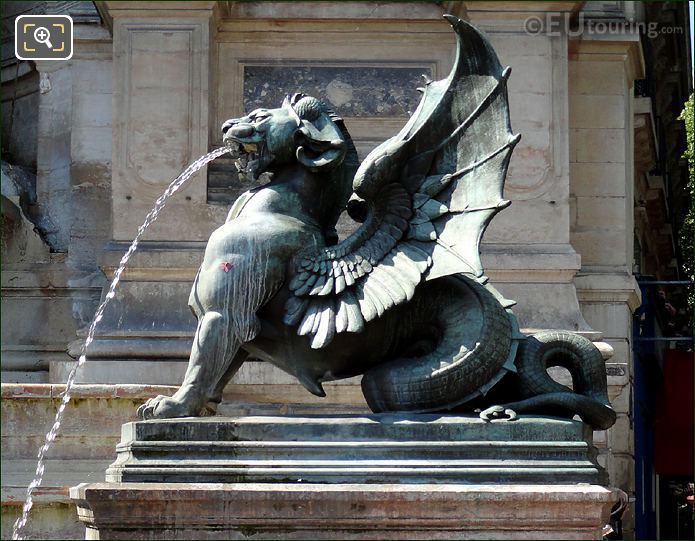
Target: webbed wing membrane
x: 430, y: 192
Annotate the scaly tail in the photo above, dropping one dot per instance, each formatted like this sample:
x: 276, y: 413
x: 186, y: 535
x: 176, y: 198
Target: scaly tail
x: 542, y: 394
x: 476, y: 342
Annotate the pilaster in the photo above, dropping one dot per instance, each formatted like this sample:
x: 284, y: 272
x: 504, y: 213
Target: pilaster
x: 602, y: 72
x: 161, y: 93
x: 527, y: 251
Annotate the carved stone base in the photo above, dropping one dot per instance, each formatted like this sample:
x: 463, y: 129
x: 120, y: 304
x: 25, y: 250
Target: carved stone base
x: 385, y: 448
x: 341, y: 511
x: 350, y: 477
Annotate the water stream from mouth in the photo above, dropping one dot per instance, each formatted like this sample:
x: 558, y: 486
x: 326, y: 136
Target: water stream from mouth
x: 69, y: 384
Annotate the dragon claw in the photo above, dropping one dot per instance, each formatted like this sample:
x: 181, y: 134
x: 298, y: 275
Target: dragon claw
x: 498, y: 412
x: 166, y: 407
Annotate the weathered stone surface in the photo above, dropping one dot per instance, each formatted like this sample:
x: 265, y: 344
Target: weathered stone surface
x: 386, y: 448
x: 96, y: 414
x: 49, y: 519
x: 342, y: 511
x: 350, y: 90
x: 314, y: 34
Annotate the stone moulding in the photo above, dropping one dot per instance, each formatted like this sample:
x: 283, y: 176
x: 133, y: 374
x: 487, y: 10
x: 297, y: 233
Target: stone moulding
x: 341, y: 511
x: 386, y: 448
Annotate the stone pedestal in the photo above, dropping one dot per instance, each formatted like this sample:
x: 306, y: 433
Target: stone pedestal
x: 341, y: 511
x: 350, y: 477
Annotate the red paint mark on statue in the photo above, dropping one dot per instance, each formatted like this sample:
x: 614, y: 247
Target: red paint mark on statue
x: 226, y: 266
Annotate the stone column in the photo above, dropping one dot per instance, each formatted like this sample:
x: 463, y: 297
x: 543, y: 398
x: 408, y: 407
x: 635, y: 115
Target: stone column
x: 602, y: 73
x: 161, y: 67
x: 527, y: 250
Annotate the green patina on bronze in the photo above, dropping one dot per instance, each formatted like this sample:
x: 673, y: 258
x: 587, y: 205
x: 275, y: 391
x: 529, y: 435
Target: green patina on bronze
x: 403, y: 300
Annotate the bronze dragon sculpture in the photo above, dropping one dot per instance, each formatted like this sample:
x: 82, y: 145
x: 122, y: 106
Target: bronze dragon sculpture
x: 403, y: 300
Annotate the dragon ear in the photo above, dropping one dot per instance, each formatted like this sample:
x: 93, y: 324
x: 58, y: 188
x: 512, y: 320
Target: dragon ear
x: 320, y: 145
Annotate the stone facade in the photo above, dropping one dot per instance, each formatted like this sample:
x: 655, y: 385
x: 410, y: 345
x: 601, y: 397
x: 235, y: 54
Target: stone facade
x: 146, y: 92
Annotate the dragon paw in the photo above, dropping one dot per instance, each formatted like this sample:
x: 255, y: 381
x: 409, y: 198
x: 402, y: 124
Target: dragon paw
x: 166, y: 407
x: 497, y: 412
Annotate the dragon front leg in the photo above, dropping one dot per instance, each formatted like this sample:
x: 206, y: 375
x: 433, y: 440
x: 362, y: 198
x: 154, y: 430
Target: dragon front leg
x: 213, y: 359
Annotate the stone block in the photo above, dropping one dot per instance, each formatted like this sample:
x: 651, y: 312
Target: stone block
x: 614, y: 319
x: 83, y: 449
x: 546, y: 306
x: 601, y: 247
x: 91, y: 144
x: 92, y: 76
x: 616, y: 285
x: 573, y: 142
x: 602, y: 213
x: 618, y: 377
x: 597, y: 111
x: 527, y: 221
x: 598, y: 145
x: 52, y: 520
x: 622, y: 350
x: 91, y: 110
x: 92, y: 181
x: 36, y: 306
x: 532, y: 72
x: 596, y: 78
x: 397, y: 448
x: 621, y: 471
x: 347, y: 511
x: 620, y: 435
x: 573, y: 212
x: 598, y: 179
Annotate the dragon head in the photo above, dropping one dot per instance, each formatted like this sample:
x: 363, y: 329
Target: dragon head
x: 303, y: 129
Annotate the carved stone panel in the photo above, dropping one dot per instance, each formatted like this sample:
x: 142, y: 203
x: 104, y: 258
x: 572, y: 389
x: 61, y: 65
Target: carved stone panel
x: 160, y: 124
x: 367, y: 71
x: 352, y: 91
x: 538, y: 179
x: 159, y: 107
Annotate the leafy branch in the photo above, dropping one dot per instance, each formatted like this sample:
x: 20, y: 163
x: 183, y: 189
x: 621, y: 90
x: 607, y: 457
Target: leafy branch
x: 687, y: 232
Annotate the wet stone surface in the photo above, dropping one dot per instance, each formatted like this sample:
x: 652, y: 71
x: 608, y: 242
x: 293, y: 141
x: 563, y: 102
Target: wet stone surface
x: 351, y: 91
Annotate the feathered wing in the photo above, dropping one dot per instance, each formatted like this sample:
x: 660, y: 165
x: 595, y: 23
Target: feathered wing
x: 429, y: 193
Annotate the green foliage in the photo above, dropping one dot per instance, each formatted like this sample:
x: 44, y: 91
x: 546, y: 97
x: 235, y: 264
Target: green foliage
x: 687, y: 232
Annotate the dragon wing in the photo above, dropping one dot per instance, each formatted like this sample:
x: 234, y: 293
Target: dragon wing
x: 427, y: 195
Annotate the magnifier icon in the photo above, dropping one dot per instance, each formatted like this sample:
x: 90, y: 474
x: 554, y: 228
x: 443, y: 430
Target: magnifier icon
x: 43, y: 36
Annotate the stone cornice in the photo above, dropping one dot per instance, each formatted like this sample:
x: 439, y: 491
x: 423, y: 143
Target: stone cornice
x: 362, y: 11
x: 624, y: 47
x: 156, y: 9
x: 518, y: 10
x: 608, y: 288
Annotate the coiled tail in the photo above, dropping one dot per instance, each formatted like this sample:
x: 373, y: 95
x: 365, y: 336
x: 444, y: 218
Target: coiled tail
x: 474, y: 341
x: 542, y: 394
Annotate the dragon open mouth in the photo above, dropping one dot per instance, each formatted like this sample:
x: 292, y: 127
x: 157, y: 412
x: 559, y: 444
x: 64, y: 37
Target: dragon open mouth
x: 246, y: 160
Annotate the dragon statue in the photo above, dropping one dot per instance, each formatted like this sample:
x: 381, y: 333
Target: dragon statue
x: 402, y: 300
